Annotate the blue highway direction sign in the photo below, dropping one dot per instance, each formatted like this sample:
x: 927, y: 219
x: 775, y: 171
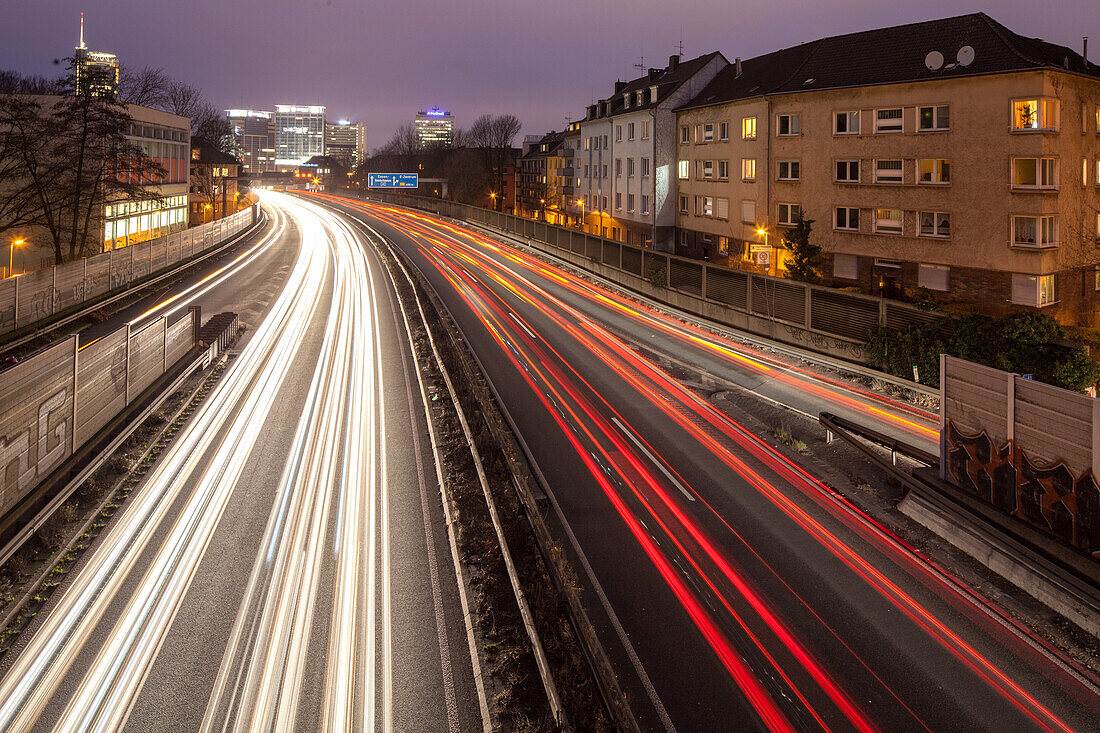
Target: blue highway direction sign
x: 392, y: 180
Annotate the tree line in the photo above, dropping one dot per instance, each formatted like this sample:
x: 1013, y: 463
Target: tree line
x: 64, y: 156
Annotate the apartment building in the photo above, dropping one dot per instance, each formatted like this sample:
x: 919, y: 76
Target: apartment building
x: 630, y: 141
x: 533, y: 174
x: 953, y: 156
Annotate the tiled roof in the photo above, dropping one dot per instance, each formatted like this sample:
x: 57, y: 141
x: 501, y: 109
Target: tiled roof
x: 891, y: 55
x: 666, y: 80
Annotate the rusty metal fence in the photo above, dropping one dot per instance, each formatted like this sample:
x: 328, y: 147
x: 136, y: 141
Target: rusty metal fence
x: 35, y: 296
x: 809, y: 312
x: 54, y: 401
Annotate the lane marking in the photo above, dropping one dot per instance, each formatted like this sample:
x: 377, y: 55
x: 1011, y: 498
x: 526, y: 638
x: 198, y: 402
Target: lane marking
x: 656, y: 461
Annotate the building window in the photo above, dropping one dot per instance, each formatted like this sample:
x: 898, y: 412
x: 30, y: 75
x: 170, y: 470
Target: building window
x: 604, y: 171
x: 683, y: 169
x: 723, y: 170
x: 788, y: 170
x: 748, y: 169
x: 723, y: 211
x: 847, y: 171
x: 788, y: 125
x: 630, y: 131
x: 618, y: 167
x: 888, y: 221
x: 629, y: 167
x: 748, y: 128
x: 603, y: 203
x: 704, y: 206
x: 723, y: 131
x: 847, y: 218
x: 705, y: 133
x: 630, y: 202
x: 683, y: 204
x: 645, y: 129
x: 1034, y: 173
x: 846, y: 267
x: 605, y: 142
x: 846, y: 123
x: 888, y: 120
x: 933, y: 277
x: 936, y: 118
x: 934, y: 170
x: 788, y: 214
x: 685, y: 134
x: 618, y: 133
x: 1035, y: 231
x: 888, y: 171
x: 619, y: 202
x: 1034, y: 114
x: 934, y: 224
x: 645, y: 166
x: 645, y: 204
x: 748, y: 211
x: 1046, y: 290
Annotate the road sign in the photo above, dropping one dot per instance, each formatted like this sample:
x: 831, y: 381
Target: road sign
x: 392, y: 180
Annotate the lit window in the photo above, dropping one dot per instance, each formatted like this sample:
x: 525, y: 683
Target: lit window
x: 683, y: 169
x: 788, y: 125
x: 748, y: 169
x: 847, y: 218
x: 888, y: 120
x: 1046, y: 289
x: 788, y: 170
x: 1035, y: 231
x: 935, y: 224
x: 846, y: 123
x: 1035, y: 114
x: 788, y: 214
x: 1034, y: 172
x: 748, y: 128
x: 847, y: 171
x: 934, y: 170
x: 934, y: 118
x: 888, y: 171
x: 888, y: 221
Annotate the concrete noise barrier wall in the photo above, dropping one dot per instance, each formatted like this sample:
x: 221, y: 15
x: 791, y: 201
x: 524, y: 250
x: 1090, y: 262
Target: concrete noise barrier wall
x: 1030, y: 449
x: 54, y: 401
x: 35, y: 296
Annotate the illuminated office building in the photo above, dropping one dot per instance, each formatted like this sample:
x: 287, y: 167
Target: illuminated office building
x: 96, y: 71
x: 299, y: 134
x: 435, y: 128
x: 253, y: 139
x: 346, y: 141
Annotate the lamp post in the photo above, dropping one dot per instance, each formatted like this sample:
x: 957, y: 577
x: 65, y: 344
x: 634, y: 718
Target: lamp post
x: 493, y: 197
x: 580, y: 202
x: 11, y: 253
x: 542, y: 208
x: 762, y: 231
x: 205, y: 208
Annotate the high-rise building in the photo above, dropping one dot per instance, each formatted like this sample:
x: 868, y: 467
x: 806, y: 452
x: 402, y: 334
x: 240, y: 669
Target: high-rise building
x: 96, y: 71
x: 346, y: 141
x: 435, y: 128
x: 299, y: 134
x: 253, y: 139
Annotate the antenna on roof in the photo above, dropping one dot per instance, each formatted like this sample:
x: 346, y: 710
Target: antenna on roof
x: 640, y: 66
x: 681, y: 44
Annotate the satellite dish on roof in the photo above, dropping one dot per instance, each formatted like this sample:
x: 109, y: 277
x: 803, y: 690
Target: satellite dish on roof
x: 934, y: 60
x: 966, y: 56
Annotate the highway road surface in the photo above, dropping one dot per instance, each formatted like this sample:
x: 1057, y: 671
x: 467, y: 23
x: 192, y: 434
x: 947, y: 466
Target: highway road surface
x: 285, y: 566
x: 733, y: 588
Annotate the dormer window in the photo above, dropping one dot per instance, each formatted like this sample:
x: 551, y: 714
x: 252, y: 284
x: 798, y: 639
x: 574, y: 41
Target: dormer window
x: 653, y: 93
x: 641, y: 96
x: 626, y: 100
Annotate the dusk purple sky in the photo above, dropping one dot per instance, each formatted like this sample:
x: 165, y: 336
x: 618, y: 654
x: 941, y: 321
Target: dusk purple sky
x: 380, y: 62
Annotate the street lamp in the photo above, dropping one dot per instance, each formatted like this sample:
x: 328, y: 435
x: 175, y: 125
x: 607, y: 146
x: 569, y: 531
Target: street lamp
x: 493, y: 196
x: 206, y: 207
x: 11, y: 253
x: 580, y: 202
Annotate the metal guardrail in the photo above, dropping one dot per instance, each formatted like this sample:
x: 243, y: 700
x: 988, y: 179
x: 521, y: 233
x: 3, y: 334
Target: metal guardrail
x: 844, y: 428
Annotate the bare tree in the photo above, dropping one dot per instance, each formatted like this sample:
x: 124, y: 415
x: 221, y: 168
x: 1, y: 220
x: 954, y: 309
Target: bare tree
x: 12, y: 82
x: 403, y: 141
x: 183, y: 99
x: 21, y: 137
x: 147, y: 86
x: 494, y: 136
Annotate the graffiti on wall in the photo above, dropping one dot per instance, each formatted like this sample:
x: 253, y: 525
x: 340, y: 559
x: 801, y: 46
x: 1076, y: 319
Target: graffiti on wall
x: 1046, y: 496
x: 28, y: 456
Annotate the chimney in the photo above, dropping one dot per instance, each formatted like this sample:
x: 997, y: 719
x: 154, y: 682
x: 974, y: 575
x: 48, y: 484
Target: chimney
x: 1085, y: 51
x: 619, y: 86
x: 737, y: 66
x: 673, y: 62
x: 653, y: 73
